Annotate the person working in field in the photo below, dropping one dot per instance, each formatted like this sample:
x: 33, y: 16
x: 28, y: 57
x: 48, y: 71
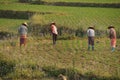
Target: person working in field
x: 112, y: 36
x: 22, y: 30
x: 91, y: 35
x: 54, y: 32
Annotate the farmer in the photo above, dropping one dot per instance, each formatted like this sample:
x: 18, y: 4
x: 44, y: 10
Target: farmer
x: 91, y: 35
x: 112, y: 36
x: 54, y: 32
x: 22, y: 30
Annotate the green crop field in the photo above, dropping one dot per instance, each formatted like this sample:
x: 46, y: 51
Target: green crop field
x: 72, y: 16
x: 40, y: 60
x: 10, y: 24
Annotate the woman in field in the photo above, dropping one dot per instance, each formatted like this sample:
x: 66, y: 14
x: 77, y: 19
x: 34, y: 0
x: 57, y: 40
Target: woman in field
x: 54, y: 32
x: 91, y: 35
x: 22, y: 30
x: 112, y: 36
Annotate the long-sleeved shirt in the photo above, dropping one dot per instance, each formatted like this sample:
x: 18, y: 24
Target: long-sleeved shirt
x: 54, y: 29
x: 22, y: 30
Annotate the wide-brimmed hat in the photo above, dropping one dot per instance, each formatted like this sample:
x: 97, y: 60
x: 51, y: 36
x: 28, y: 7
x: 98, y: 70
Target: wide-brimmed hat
x: 111, y: 26
x: 91, y: 27
x: 52, y: 22
x: 25, y: 23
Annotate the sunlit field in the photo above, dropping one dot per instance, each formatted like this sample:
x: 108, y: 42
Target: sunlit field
x: 65, y: 54
x: 41, y: 60
x: 10, y: 25
x: 73, y: 16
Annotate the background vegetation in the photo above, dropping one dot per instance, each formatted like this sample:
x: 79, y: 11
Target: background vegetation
x: 89, y: 1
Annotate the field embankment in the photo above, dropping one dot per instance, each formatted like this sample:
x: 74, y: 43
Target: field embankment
x: 79, y: 4
x: 76, y: 3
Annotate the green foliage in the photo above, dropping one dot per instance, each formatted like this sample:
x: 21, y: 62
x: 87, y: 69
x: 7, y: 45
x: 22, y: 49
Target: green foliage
x: 24, y: 1
x: 72, y: 17
x: 5, y: 35
x: 28, y: 62
x: 89, y: 1
x: 7, y: 1
x: 27, y: 71
x: 37, y: 19
x: 80, y: 32
x: 118, y: 33
x: 68, y: 57
x: 53, y: 71
x: 81, y: 4
x: 6, y: 66
x: 10, y: 25
x: 15, y: 14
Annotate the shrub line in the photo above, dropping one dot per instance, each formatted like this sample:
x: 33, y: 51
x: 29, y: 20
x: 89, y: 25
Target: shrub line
x: 79, y: 4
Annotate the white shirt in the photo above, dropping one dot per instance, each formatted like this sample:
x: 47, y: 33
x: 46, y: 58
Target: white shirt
x: 90, y: 33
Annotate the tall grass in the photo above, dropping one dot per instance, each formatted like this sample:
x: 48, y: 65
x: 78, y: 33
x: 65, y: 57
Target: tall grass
x: 40, y: 58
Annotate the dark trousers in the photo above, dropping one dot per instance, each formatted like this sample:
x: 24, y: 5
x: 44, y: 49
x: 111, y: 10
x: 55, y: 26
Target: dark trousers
x: 54, y: 38
x: 90, y: 42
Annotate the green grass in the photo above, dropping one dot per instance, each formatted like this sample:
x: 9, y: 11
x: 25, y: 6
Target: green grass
x: 88, y: 1
x: 100, y: 62
x: 73, y: 17
x: 10, y: 25
x: 8, y: 1
x: 67, y: 53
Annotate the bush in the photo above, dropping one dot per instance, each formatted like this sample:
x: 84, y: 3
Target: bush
x: 79, y: 4
x: 5, y: 35
x: 6, y: 66
x: 52, y: 71
x: 15, y: 14
x: 24, y: 1
x: 80, y: 32
x: 118, y: 33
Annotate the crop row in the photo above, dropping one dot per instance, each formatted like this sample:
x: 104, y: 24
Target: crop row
x: 71, y: 16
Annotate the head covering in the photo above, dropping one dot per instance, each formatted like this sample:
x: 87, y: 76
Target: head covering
x: 91, y: 27
x: 111, y: 26
x: 25, y: 23
x: 53, y: 23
